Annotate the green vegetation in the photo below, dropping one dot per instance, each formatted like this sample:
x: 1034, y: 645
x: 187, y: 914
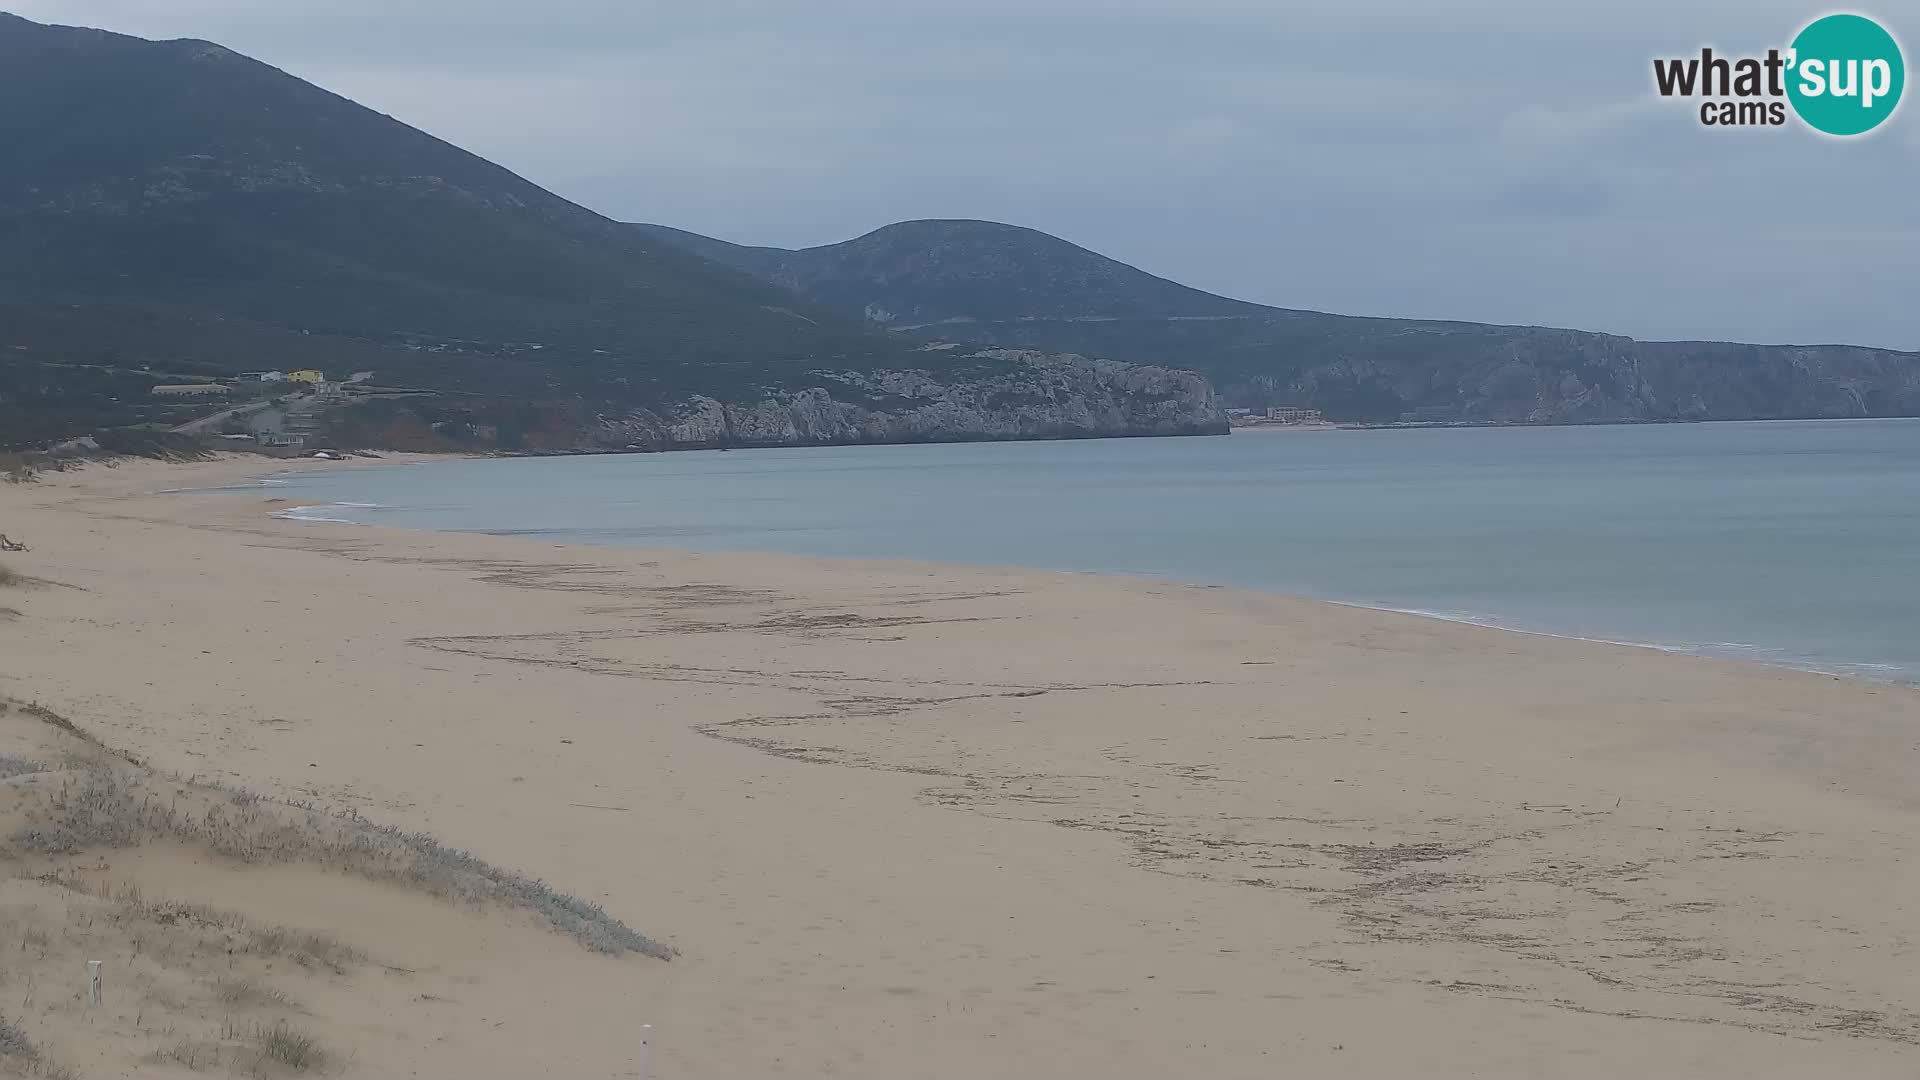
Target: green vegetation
x: 174, y: 210
x: 996, y: 284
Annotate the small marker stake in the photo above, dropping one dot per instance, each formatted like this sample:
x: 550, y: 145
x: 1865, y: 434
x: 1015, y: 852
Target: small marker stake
x: 646, y: 1052
x: 93, y: 984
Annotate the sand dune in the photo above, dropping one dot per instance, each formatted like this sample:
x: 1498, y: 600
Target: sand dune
x: 906, y: 819
x: 236, y: 934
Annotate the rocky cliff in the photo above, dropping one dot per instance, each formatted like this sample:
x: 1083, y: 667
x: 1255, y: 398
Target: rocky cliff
x: 980, y: 281
x: 1043, y: 397
x: 994, y: 394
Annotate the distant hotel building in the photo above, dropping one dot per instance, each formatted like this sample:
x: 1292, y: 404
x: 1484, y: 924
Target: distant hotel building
x: 1291, y: 414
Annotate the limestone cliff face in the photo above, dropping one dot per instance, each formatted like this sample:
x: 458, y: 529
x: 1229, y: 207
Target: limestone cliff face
x: 1009, y: 394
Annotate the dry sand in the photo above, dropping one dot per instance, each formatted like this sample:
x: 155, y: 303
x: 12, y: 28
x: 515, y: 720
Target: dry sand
x: 908, y: 819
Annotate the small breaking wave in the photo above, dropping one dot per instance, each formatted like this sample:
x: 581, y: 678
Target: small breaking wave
x: 1713, y: 650
x: 327, y: 512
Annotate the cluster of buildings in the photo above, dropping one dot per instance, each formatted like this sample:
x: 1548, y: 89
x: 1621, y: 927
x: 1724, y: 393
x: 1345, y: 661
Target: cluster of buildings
x: 298, y: 379
x: 1275, y: 414
x: 278, y: 412
x: 304, y: 375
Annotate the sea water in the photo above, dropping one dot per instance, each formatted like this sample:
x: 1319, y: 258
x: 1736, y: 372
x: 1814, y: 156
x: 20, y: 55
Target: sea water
x: 1794, y: 543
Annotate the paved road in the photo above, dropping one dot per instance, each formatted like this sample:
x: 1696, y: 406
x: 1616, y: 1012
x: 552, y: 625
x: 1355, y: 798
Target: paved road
x: 212, y: 423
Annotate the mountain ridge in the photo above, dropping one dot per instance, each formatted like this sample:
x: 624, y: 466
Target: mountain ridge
x: 920, y: 278
x: 179, y: 207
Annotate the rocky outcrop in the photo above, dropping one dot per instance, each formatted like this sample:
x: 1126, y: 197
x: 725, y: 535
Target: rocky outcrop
x: 1017, y: 395
x: 958, y: 396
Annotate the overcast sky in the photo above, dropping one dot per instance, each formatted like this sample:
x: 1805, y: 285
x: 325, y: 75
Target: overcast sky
x: 1498, y: 160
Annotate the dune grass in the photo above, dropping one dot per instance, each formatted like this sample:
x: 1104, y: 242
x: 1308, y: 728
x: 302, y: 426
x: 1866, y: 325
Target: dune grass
x: 107, y: 805
x: 19, y: 1057
x: 14, y: 1042
x: 194, y: 1055
x: 245, y: 993
x: 260, y: 1050
x: 290, y: 1047
x: 307, y: 948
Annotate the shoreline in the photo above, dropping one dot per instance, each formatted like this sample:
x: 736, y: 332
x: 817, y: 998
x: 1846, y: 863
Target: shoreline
x: 1729, y: 652
x: 1698, y: 652
x: 916, y: 819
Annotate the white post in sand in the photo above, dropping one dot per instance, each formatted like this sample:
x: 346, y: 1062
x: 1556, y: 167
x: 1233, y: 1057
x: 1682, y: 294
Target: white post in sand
x: 93, y: 984
x: 646, y: 1052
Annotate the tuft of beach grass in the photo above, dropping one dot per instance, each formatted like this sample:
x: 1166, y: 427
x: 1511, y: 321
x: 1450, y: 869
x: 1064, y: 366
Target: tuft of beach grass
x: 14, y: 1042
x: 244, y: 993
x: 289, y: 1047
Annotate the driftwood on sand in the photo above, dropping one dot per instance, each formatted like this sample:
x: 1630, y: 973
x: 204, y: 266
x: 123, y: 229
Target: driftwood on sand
x: 9, y: 545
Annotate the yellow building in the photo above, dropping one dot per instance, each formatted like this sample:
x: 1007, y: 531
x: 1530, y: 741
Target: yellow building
x: 307, y: 375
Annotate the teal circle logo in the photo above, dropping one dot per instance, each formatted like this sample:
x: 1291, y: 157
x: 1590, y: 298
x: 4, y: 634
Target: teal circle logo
x: 1845, y: 75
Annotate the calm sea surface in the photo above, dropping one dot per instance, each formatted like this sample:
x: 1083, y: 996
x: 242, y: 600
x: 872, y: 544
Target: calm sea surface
x: 1792, y: 543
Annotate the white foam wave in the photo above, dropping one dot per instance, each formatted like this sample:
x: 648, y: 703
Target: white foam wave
x: 323, y: 512
x: 1725, y: 650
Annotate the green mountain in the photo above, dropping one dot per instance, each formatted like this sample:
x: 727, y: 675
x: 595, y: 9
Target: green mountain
x: 174, y: 210
x: 978, y: 281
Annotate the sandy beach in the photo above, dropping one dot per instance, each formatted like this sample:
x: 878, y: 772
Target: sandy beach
x: 914, y: 820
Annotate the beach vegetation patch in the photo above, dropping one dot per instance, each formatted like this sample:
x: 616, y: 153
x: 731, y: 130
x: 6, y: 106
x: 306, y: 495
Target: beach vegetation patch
x: 248, y: 993
x: 289, y: 1047
x: 14, y: 1042
x: 108, y: 805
